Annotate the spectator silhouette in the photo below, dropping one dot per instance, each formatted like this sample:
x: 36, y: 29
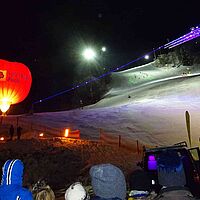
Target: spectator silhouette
x: 108, y: 182
x: 11, y: 132
x: 42, y: 191
x: 140, y: 185
x: 76, y: 192
x: 11, y: 184
x: 171, y: 176
x: 19, y: 132
x: 81, y: 104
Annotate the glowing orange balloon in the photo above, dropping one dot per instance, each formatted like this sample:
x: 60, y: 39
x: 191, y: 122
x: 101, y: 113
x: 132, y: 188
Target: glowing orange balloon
x: 15, y: 83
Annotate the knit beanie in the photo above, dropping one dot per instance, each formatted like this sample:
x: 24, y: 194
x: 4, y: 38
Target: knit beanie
x: 108, y: 181
x: 170, y: 169
x: 76, y: 192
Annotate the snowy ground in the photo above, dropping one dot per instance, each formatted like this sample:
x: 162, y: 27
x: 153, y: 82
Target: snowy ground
x: 154, y: 113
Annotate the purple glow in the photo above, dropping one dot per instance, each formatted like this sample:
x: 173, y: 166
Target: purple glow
x: 152, y: 163
x: 152, y: 158
x: 187, y: 37
x: 185, y: 40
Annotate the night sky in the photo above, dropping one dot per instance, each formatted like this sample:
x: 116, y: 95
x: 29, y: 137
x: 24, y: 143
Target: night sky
x: 48, y: 35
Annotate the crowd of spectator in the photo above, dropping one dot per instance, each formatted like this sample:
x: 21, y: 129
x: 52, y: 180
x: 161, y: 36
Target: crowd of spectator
x: 108, y: 183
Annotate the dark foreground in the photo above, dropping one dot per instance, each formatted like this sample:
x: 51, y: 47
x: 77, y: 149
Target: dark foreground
x: 64, y: 162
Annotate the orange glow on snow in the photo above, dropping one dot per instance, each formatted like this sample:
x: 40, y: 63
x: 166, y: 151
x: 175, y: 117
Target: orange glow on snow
x: 41, y: 134
x: 66, y: 132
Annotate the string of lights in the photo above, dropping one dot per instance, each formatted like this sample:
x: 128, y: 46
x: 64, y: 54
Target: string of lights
x: 195, y: 32
x: 185, y: 38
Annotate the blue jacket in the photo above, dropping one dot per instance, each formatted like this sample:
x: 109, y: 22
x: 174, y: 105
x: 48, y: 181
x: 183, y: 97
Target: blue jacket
x: 11, y: 183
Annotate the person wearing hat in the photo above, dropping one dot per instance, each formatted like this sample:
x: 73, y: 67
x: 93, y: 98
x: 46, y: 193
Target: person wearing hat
x: 11, y: 184
x: 76, y: 192
x: 171, y: 176
x: 140, y: 185
x: 108, y: 182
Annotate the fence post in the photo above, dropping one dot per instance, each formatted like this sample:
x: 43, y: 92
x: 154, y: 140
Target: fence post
x: 138, y: 147
x: 1, y: 120
x: 17, y: 121
x: 119, y: 141
x: 100, y: 132
x: 82, y: 154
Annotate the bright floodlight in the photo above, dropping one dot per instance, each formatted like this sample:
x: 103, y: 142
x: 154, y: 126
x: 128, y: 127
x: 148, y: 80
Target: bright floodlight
x: 103, y: 49
x: 89, y: 54
x: 146, y: 57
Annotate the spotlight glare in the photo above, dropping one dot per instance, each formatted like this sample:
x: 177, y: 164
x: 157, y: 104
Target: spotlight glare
x: 89, y: 54
x: 103, y: 49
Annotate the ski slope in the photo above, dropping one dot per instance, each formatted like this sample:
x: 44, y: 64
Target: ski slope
x: 147, y: 103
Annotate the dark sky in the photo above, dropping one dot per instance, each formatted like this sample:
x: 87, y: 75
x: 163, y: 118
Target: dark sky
x: 47, y: 35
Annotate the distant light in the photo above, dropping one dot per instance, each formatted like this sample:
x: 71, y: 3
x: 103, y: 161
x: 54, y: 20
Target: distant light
x: 2, y: 138
x: 103, y: 49
x: 89, y: 54
x: 41, y: 134
x: 66, y: 132
x: 146, y: 57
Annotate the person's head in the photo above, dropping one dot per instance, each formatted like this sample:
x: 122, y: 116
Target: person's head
x: 108, y: 181
x: 140, y: 180
x: 76, y: 192
x: 12, y: 172
x: 42, y: 191
x: 140, y: 184
x: 170, y: 169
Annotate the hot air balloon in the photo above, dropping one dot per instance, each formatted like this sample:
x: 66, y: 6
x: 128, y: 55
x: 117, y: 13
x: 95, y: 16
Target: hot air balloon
x: 15, y: 83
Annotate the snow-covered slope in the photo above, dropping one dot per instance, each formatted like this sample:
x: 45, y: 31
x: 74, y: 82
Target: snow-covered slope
x: 147, y: 103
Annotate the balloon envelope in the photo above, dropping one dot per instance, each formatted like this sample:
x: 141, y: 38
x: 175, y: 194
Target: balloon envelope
x: 15, y: 83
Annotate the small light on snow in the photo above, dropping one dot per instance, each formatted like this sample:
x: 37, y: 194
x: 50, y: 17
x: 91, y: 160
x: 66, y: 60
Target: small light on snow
x: 146, y: 57
x: 41, y: 134
x: 66, y: 132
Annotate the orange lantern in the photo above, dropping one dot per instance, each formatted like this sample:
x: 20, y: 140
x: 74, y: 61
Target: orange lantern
x: 66, y: 132
x: 41, y: 134
x: 15, y: 83
x: 72, y: 134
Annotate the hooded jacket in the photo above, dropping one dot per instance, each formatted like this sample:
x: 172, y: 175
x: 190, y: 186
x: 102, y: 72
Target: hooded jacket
x: 108, y: 182
x: 11, y: 183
